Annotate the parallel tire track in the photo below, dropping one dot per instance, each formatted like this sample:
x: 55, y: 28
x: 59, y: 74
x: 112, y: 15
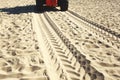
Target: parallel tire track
x: 68, y: 62
x: 75, y: 24
x: 113, y: 33
x: 85, y: 64
x: 108, y: 36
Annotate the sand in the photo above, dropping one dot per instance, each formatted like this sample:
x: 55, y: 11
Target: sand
x: 20, y: 58
x: 104, y: 12
x: 103, y: 56
x: 20, y: 54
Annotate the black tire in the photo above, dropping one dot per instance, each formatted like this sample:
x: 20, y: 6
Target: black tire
x: 63, y: 5
x: 39, y: 5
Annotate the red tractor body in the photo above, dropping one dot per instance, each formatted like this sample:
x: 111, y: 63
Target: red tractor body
x: 52, y: 3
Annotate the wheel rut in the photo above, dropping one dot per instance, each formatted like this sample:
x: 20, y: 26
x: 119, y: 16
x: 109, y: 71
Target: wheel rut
x: 68, y: 44
x: 59, y: 59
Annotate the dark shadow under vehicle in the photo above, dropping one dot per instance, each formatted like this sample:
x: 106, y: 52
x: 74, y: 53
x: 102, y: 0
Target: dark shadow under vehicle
x: 26, y: 9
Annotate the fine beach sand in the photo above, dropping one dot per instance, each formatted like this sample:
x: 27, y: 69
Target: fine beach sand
x: 104, y: 12
x: 103, y: 56
x: 20, y: 57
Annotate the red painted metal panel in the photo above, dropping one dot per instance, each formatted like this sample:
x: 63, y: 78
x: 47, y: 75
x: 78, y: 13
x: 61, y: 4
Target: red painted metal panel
x: 51, y: 3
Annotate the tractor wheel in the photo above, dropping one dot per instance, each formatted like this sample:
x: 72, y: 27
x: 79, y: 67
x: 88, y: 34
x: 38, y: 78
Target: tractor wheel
x: 39, y: 5
x: 63, y: 5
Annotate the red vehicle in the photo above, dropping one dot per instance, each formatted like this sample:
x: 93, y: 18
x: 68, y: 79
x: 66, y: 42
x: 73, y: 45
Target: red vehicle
x: 52, y: 3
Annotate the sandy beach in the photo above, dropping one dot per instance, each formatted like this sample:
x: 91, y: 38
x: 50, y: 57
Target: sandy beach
x: 104, y: 12
x: 20, y: 55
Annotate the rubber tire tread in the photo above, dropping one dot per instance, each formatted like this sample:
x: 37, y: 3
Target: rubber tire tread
x: 39, y: 5
x: 64, y: 5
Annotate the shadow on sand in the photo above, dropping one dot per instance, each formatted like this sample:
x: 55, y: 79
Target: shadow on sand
x: 26, y: 9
